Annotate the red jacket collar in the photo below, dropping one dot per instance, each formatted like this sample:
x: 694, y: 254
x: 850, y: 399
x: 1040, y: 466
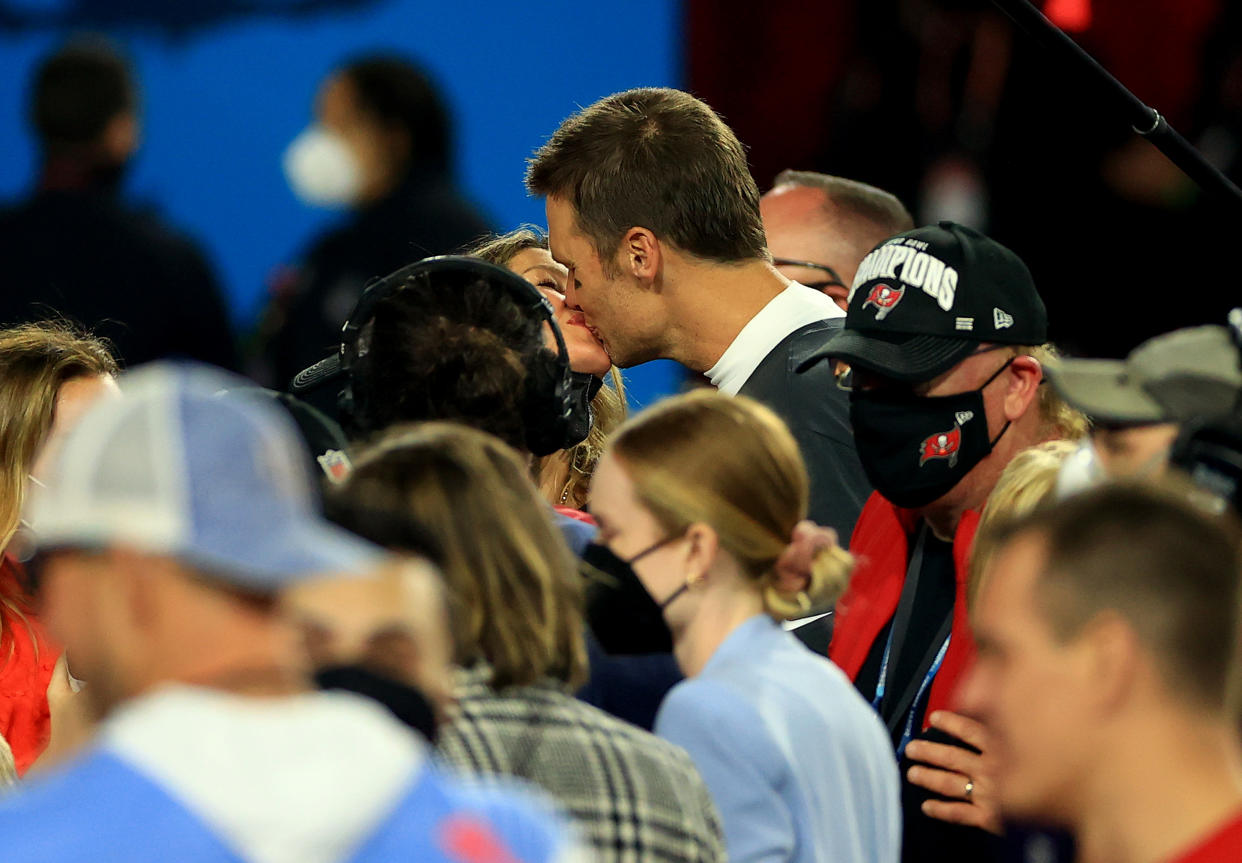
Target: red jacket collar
x: 881, y: 543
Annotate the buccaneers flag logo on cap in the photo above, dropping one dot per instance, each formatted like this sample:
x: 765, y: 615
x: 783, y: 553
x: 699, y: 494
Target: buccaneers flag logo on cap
x: 885, y: 298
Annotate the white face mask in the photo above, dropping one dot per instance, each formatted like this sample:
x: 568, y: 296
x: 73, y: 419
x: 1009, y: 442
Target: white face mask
x: 322, y: 170
x: 1083, y: 470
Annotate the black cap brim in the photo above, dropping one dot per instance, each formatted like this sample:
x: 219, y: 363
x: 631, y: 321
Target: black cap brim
x: 313, y: 377
x: 900, y: 356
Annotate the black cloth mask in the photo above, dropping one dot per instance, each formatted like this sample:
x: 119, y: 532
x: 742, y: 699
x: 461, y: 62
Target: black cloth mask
x: 915, y: 449
x: 405, y: 702
x: 621, y: 613
x: 584, y: 387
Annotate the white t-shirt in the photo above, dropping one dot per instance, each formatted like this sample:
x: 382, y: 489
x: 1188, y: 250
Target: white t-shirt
x: 257, y: 769
x: 790, y: 310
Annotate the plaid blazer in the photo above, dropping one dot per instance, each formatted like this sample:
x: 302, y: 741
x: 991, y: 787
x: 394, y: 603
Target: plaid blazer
x: 632, y: 797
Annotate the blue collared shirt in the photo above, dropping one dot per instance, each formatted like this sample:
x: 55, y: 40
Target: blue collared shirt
x: 798, y: 763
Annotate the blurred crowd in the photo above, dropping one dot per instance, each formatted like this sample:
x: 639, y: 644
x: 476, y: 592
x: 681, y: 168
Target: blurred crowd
x: 950, y: 107
x: 895, y: 580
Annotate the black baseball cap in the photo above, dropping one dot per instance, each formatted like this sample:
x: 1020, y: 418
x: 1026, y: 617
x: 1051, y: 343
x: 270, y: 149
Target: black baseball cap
x: 926, y: 299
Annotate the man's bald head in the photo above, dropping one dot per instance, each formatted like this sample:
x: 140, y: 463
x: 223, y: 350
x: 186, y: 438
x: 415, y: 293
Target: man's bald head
x: 828, y: 221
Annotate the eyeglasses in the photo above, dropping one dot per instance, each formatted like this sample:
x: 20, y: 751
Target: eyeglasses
x: 846, y: 379
x: 833, y: 281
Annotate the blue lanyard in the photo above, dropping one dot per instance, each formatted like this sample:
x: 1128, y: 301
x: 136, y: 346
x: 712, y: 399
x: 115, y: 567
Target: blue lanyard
x: 908, y: 733
x: 880, y: 684
x: 900, y: 622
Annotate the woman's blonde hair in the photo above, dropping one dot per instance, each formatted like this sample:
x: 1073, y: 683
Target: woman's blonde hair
x: 1027, y: 483
x: 730, y: 463
x: 563, y: 477
x: 35, y: 360
x: 509, y: 573
x: 500, y: 249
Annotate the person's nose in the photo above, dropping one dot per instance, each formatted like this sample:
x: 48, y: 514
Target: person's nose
x: 571, y: 292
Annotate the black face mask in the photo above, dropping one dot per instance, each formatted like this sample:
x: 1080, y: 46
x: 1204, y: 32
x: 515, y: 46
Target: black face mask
x: 404, y: 701
x: 622, y: 615
x: 915, y: 449
x: 584, y: 387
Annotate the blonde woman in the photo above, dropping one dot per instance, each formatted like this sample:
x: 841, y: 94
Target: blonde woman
x: 564, y: 477
x: 517, y: 596
x: 49, y: 374
x: 701, y: 495
x: 1029, y: 481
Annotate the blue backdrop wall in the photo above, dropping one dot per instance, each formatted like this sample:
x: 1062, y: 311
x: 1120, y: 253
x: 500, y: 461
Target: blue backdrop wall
x: 228, y: 83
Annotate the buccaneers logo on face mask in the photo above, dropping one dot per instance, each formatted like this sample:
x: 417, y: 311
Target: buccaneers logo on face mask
x: 945, y: 444
x: 884, y: 298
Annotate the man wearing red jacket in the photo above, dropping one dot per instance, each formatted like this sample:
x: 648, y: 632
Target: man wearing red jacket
x: 1107, y: 674
x: 942, y: 339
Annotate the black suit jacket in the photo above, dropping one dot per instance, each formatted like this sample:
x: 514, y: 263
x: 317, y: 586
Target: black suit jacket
x: 818, y: 414
x: 425, y: 215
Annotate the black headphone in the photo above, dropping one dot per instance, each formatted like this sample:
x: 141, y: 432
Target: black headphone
x: 548, y: 402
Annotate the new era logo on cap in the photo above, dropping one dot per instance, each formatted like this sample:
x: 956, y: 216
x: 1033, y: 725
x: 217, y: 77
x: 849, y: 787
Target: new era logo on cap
x: 923, y: 300
x: 946, y: 281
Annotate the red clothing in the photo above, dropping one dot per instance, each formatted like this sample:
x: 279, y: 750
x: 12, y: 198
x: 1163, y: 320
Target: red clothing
x: 576, y: 514
x: 881, y: 543
x: 27, y: 659
x: 1222, y: 846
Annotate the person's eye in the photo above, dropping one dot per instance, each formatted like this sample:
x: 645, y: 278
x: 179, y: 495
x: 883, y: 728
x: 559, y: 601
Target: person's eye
x: 549, y: 285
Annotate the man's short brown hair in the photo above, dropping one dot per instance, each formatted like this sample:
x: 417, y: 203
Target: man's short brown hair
x: 1152, y: 556
x: 659, y: 159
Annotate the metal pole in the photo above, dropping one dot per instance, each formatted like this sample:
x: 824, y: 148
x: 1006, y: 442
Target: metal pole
x: 1143, y: 119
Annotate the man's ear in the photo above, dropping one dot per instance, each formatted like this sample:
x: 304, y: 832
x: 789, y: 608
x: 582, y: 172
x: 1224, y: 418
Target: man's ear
x: 1113, y: 659
x: 134, y: 581
x: 640, y: 254
x: 1027, y: 374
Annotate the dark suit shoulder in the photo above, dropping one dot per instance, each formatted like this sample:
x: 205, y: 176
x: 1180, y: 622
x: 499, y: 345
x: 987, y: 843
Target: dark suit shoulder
x: 776, y: 379
x: 817, y: 413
